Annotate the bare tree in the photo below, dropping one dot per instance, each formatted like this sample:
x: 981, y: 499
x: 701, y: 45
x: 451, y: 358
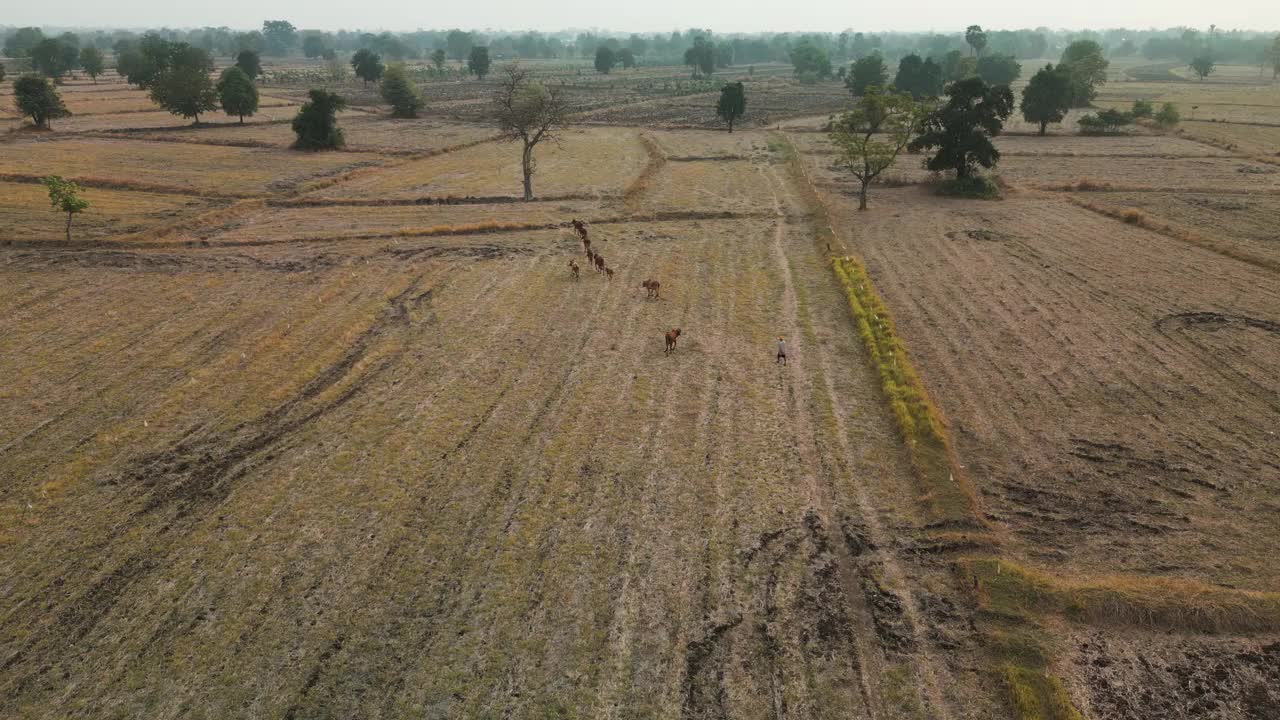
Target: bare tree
x: 530, y: 112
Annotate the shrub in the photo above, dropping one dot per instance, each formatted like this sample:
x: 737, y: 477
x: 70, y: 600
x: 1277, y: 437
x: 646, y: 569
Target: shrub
x: 316, y: 124
x: 1142, y: 109
x: 400, y: 93
x: 1133, y: 216
x: 1105, y: 122
x: 1168, y: 116
x: 974, y: 186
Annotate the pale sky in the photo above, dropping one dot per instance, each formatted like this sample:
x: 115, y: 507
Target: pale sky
x: 650, y: 15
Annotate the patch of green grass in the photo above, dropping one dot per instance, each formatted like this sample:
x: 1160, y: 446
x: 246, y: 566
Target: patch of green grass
x: 1035, y: 695
x: 974, y: 188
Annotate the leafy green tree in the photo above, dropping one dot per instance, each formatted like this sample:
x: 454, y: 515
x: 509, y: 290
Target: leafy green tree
x: 250, y: 63
x: 605, y: 59
x: 809, y: 59
x: 732, y: 104
x: 869, y: 138
x: 701, y: 57
x: 997, y: 69
x: 1088, y: 68
x: 316, y: 123
x: 1047, y: 98
x: 920, y: 78
x: 64, y: 196
x: 458, y: 44
x: 313, y: 45
x: 1105, y: 122
x: 627, y: 58
x: 1203, y: 65
x: 70, y: 43
x: 36, y: 97
x: 958, y: 66
x: 478, y: 61
x: 280, y: 36
x: 367, y: 65
x: 237, y: 93
x: 866, y: 72
x: 976, y: 38
x: 1142, y: 109
x: 400, y: 93
x: 962, y: 129
x: 528, y: 112
x: 438, y: 59
x: 1168, y: 116
x: 49, y: 58
x: 142, y: 63
x: 20, y: 43
x: 184, y: 87
x: 92, y: 62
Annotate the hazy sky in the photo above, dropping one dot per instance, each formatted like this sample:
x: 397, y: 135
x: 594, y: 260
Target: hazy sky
x: 650, y: 15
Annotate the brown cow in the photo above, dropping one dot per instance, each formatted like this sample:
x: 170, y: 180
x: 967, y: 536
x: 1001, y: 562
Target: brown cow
x: 672, y: 336
x: 651, y: 287
x: 599, y: 262
x: 608, y: 273
x: 573, y: 268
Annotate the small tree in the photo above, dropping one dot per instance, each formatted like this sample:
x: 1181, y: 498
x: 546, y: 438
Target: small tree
x: 367, y: 65
x: 400, y: 93
x: 921, y: 78
x: 626, y: 58
x: 1047, y: 98
x: 530, y: 113
x: 184, y: 87
x: 1142, y: 109
x: 870, y: 137
x: 865, y: 73
x: 92, y: 62
x: 313, y: 45
x: 316, y: 124
x: 962, y: 129
x: 1168, y: 116
x: 36, y: 97
x: 701, y: 57
x: 237, y: 94
x: 64, y: 196
x: 1203, y: 66
x: 438, y: 58
x: 732, y: 104
x: 998, y: 69
x: 1105, y: 122
x: 250, y: 63
x: 1088, y: 68
x: 605, y: 60
x: 809, y: 60
x: 976, y: 38
x: 478, y: 61
x: 49, y: 58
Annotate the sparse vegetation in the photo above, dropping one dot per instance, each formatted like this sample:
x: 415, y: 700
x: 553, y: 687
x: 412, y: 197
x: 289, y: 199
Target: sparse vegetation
x: 1168, y: 116
x: 64, y: 196
x: 1105, y: 122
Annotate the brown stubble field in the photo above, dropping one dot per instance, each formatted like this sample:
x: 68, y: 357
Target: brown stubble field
x: 336, y: 435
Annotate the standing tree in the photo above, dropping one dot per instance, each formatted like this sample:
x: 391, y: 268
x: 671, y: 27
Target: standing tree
x: 367, y: 65
x: 1203, y: 66
x: 185, y: 88
x: 867, y: 72
x: 996, y: 69
x: 605, y: 59
x: 701, y: 57
x: 64, y: 196
x: 458, y: 43
x: 478, y: 61
x: 1047, y: 98
x: 313, y: 45
x: 732, y: 104
x: 1274, y: 55
x: 92, y: 62
x: 438, y: 59
x: 921, y: 78
x: 49, y: 58
x: 810, y: 61
x: 962, y: 128
x: 20, y: 43
x: 316, y: 124
x: 1088, y: 68
x: 237, y: 93
x: 977, y: 39
x: 400, y: 93
x: 1, y: 72
x: 529, y: 112
x: 870, y: 137
x: 250, y: 63
x: 1168, y: 116
x: 280, y: 37
x: 36, y: 97
x: 626, y: 58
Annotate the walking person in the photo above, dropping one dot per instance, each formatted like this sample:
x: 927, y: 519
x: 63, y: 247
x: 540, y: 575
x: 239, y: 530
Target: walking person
x: 782, y: 351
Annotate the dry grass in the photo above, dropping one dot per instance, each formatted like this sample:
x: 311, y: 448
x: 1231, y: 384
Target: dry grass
x: 25, y: 214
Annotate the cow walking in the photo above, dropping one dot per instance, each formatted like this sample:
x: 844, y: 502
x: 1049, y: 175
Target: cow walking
x: 672, y: 336
x: 573, y: 269
x: 651, y: 288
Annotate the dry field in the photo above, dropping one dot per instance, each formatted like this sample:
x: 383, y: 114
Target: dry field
x: 288, y: 435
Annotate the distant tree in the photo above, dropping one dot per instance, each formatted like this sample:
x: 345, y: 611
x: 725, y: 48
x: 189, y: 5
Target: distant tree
x: 92, y: 62
x: 70, y: 43
x: 958, y: 66
x: 1274, y: 55
x: 1168, y: 116
x: 1142, y: 109
x: 920, y: 78
x: 809, y: 59
x: 605, y: 59
x: 1, y: 72
x: 962, y: 129
x: 866, y: 72
x: 1105, y: 122
x: 316, y: 123
x: 36, y: 97
x: 367, y: 65
x: 627, y: 58
x: 732, y: 103
x: 49, y: 58
x: 21, y: 42
x: 998, y: 69
x: 438, y: 59
x: 251, y: 40
x: 1088, y: 69
x: 701, y: 57
x: 976, y: 38
x: 280, y: 36
x: 250, y: 63
x: 478, y: 61
x: 237, y: 93
x: 313, y: 45
x: 142, y: 63
x: 529, y: 112
x: 400, y: 93
x: 184, y: 87
x: 1203, y: 66
x: 64, y: 196
x: 1047, y: 98
x: 869, y: 138
x: 458, y: 44
x: 724, y: 55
